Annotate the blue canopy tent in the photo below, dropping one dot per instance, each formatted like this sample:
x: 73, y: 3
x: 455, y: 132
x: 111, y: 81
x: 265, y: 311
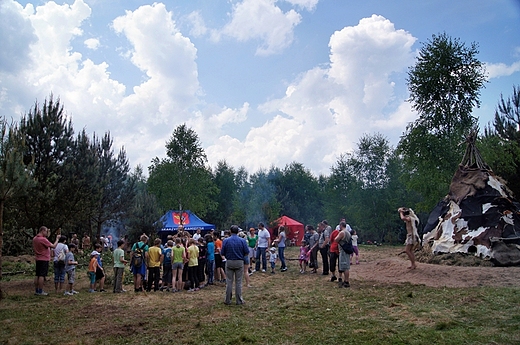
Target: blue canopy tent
x: 173, y: 219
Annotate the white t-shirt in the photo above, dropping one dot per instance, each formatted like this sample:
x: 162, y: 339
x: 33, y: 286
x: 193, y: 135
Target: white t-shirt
x: 354, y: 240
x: 263, y: 238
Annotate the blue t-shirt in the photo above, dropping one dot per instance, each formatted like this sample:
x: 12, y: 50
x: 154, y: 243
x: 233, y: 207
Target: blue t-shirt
x: 167, y: 252
x: 69, y: 257
x: 211, y: 251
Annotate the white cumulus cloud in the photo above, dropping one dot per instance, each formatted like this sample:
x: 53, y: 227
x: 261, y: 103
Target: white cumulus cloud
x: 497, y: 70
x: 92, y: 43
x: 261, y: 20
x: 327, y: 109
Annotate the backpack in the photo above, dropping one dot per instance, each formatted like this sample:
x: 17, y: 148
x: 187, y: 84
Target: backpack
x: 138, y: 256
x: 347, y: 246
x: 61, y: 256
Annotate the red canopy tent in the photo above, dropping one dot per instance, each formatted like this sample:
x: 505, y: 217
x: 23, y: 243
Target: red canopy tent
x: 293, y: 230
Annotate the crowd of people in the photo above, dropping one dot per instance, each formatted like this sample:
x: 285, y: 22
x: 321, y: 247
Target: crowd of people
x: 191, y: 263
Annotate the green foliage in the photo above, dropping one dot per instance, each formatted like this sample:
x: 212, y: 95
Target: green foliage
x: 182, y: 180
x: 444, y: 87
x: 298, y: 192
x: 365, y: 188
x: 115, y: 189
x: 49, y: 140
x: 145, y: 211
x: 502, y: 142
x: 226, y: 183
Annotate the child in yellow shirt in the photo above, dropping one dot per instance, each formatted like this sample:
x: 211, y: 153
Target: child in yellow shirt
x: 155, y: 259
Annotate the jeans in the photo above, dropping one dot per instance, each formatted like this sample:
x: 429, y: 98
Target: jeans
x: 210, y: 266
x: 281, y: 256
x: 261, y: 252
x: 234, y: 272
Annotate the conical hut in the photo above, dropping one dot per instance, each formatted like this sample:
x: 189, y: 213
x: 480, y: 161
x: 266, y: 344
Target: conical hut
x: 479, y: 215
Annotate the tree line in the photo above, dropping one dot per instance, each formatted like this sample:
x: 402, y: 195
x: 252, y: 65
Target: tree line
x: 49, y: 175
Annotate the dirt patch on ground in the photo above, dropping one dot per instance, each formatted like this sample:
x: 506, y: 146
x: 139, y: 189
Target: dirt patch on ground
x: 389, y: 265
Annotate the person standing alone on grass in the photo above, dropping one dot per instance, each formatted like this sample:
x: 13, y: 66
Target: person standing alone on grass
x: 234, y: 250
x: 261, y: 247
x: 119, y: 266
x: 412, y: 237
x: 42, y: 254
x: 344, y: 258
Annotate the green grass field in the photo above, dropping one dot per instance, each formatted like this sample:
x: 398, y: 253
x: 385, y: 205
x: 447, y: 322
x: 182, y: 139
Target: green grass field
x: 284, y: 308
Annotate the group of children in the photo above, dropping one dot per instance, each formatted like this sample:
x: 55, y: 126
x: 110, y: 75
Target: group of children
x: 186, y: 263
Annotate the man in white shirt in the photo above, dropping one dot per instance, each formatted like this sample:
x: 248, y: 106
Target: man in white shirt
x: 262, y: 244
x: 197, y: 235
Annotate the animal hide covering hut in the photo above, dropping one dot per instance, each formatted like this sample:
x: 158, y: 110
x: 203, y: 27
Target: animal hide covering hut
x: 479, y: 215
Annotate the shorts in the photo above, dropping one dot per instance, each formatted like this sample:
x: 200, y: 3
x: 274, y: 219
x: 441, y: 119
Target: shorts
x: 218, y: 261
x: 246, y: 260
x: 356, y: 250
x: 343, y: 262
x: 71, y: 275
x: 42, y: 268
x: 92, y: 277
x: 409, y: 239
x: 177, y: 266
x: 99, y: 273
x: 167, y: 273
x: 59, y: 272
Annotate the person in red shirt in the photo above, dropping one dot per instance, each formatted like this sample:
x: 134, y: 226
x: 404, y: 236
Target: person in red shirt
x: 42, y: 255
x: 334, y: 254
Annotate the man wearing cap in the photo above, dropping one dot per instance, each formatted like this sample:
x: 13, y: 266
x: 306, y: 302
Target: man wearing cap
x: 42, y: 254
x: 234, y: 251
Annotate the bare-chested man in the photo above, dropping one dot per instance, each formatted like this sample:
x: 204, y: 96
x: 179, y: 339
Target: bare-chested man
x: 409, y: 217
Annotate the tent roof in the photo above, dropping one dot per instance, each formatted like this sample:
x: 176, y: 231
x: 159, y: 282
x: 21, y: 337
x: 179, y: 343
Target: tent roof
x: 284, y: 220
x: 173, y: 219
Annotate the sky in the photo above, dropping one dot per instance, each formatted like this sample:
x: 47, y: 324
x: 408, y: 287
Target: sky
x: 262, y: 82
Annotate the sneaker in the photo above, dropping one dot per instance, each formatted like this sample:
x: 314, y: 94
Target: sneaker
x: 346, y: 284
x: 190, y: 290
x: 102, y: 290
x: 284, y: 269
x: 91, y: 290
x: 263, y: 271
x: 340, y: 280
x: 333, y: 278
x: 250, y: 273
x: 68, y: 293
x: 253, y: 271
x: 272, y: 272
x: 74, y: 292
